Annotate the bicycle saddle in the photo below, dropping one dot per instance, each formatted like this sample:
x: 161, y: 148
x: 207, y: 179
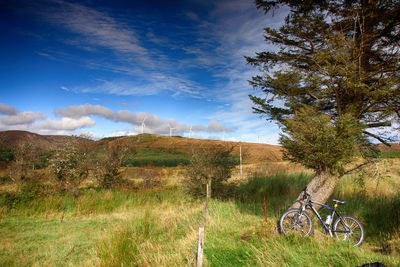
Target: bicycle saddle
x: 338, y: 201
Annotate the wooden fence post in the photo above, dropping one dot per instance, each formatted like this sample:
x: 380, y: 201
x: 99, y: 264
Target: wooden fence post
x: 200, y: 247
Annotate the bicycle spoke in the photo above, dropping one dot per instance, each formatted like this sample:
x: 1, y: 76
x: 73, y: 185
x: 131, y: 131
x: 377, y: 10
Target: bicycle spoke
x: 349, y: 229
x: 293, y: 222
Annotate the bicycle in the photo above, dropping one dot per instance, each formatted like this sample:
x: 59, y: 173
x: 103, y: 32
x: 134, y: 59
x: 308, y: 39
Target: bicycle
x: 298, y: 221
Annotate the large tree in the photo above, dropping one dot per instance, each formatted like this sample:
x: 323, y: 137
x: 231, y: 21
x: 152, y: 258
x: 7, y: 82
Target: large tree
x: 332, y: 82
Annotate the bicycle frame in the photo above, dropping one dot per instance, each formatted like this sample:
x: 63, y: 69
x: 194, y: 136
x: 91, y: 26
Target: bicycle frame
x: 328, y: 227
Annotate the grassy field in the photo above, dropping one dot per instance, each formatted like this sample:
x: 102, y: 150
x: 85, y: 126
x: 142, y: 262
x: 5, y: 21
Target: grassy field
x: 157, y: 158
x: 159, y: 226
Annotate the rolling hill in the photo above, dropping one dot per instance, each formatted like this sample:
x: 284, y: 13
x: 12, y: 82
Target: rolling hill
x: 251, y: 152
x: 14, y: 138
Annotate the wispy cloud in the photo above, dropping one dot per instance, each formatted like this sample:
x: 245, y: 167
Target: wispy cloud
x: 236, y: 30
x: 153, y: 85
x: 128, y: 105
x: 96, y: 28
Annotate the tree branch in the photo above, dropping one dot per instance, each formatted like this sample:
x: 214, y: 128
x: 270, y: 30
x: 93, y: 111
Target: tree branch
x: 379, y: 124
x: 356, y: 168
x: 378, y: 138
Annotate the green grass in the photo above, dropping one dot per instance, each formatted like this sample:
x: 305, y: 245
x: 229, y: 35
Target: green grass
x: 159, y: 227
x: 162, y: 158
x: 235, y: 238
x: 28, y: 241
x: 157, y: 158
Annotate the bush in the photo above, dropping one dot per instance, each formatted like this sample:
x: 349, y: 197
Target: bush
x: 23, y: 164
x: 71, y: 164
x: 107, y: 172
x: 213, y: 166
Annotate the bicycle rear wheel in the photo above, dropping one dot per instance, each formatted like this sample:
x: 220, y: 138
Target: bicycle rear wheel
x: 348, y: 228
x: 292, y: 222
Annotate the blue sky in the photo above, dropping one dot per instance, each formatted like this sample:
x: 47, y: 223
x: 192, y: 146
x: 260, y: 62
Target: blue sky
x: 104, y: 67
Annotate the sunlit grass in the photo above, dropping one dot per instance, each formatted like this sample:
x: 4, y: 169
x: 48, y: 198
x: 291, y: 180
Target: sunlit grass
x: 238, y: 238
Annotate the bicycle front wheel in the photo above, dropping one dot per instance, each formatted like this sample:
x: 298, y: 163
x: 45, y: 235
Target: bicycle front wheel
x: 292, y: 222
x: 348, y: 228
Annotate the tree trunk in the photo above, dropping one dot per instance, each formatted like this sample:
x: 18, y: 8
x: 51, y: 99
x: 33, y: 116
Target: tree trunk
x: 320, y: 188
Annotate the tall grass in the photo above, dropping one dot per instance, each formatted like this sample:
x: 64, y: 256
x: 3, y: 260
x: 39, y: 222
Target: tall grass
x: 279, y: 191
x: 153, y: 239
x: 89, y: 202
x: 100, y: 227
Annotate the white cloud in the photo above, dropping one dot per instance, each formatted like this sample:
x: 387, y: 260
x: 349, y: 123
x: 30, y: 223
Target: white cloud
x: 67, y: 124
x: 84, y: 110
x: 27, y: 121
x: 26, y: 117
x: 120, y: 133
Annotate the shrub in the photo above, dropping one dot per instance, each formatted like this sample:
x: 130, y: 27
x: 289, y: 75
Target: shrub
x: 23, y: 164
x: 209, y: 165
x: 71, y: 164
x: 107, y: 172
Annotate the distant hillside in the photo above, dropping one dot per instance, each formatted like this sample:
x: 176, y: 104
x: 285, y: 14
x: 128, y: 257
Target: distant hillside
x: 251, y: 152
x: 13, y: 138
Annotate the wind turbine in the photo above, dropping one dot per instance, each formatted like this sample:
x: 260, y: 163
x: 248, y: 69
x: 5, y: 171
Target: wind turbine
x: 190, y: 131
x: 170, y: 130
x: 143, y: 125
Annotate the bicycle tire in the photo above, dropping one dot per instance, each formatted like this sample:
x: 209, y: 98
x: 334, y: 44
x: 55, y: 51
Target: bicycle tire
x: 291, y: 223
x: 357, y: 233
